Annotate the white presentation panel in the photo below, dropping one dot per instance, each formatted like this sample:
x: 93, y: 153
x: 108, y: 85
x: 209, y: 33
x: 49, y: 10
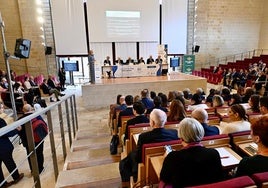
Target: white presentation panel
x: 123, y: 20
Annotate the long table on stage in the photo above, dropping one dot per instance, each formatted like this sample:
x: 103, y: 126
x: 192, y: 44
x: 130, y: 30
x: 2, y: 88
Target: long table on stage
x: 120, y: 71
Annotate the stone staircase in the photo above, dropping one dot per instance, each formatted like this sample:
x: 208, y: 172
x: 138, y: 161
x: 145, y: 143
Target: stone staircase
x: 89, y: 163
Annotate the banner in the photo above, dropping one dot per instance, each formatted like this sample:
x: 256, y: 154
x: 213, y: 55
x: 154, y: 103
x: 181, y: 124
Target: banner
x: 188, y: 64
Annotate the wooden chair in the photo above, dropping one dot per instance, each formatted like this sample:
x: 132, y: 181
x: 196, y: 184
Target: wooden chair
x: 213, y: 120
x: 239, y: 138
x: 216, y: 141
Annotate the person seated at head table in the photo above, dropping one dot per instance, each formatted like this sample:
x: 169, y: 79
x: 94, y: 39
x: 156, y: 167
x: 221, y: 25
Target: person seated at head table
x: 119, y: 61
x: 193, y: 164
x: 159, y: 60
x: 158, y: 119
x: 129, y: 60
x: 141, y: 61
x: 150, y: 60
x: 238, y: 120
x: 201, y: 115
x: 107, y: 61
x: 259, y: 162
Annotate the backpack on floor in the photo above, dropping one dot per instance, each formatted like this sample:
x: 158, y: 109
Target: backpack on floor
x: 40, y: 129
x: 113, y: 144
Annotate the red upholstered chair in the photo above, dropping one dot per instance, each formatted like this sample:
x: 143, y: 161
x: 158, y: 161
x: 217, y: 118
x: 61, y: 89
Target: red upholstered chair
x: 261, y: 179
x: 239, y: 182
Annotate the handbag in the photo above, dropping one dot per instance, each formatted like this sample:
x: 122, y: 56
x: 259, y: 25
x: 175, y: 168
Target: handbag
x: 114, y: 144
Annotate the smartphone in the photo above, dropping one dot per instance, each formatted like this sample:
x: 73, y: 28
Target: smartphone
x: 168, y: 149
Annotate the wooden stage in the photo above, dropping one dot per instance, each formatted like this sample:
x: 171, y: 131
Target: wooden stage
x: 104, y: 91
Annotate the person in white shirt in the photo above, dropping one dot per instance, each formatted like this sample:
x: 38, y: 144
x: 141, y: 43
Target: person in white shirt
x: 238, y: 120
x: 196, y: 102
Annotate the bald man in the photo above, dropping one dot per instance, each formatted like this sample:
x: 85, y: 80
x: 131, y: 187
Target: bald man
x: 201, y: 115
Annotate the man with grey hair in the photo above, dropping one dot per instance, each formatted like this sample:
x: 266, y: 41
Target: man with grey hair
x: 158, y: 119
x: 201, y: 115
x: 194, y: 164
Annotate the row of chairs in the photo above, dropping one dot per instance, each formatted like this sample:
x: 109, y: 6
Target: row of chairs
x: 259, y: 180
x: 145, y: 171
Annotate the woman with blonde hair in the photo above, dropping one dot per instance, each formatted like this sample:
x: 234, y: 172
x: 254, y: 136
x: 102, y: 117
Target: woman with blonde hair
x: 176, y: 111
x: 217, y: 101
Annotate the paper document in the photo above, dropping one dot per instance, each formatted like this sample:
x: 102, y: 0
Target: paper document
x: 227, y: 159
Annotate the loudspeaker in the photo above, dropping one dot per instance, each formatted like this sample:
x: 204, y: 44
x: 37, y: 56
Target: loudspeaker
x: 48, y: 50
x: 196, y: 48
x: 22, y: 48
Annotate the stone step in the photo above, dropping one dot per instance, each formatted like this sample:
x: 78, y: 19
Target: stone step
x: 91, y: 143
x: 101, y: 176
x: 89, y: 134
x: 91, y: 157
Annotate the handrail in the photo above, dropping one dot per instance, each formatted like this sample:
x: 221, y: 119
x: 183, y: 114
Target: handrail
x: 234, y: 57
x: 26, y: 119
x: 69, y: 102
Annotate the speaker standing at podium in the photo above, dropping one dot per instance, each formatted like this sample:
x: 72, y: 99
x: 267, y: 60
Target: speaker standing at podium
x: 91, y: 62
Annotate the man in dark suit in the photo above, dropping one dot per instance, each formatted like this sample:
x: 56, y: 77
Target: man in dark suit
x: 107, y: 61
x: 138, y: 109
x: 158, y: 60
x: 128, y: 111
x: 150, y: 60
x: 52, y: 83
x: 6, y: 149
x: 48, y: 90
x: 201, y: 115
x: 129, y: 60
x: 119, y: 61
x: 158, y: 119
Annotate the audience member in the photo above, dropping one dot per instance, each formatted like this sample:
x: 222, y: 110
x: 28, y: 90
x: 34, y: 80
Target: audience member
x: 259, y: 162
x: 48, y: 90
x: 264, y: 105
x: 28, y: 110
x: 152, y: 95
x: 176, y: 111
x: 194, y: 164
x: 172, y: 95
x: 148, y: 103
x: 6, y: 150
x: 210, y: 95
x: 62, y: 78
x: 226, y: 94
x: 196, y: 102
x: 201, y: 115
x: 129, y: 166
x: 187, y: 96
x: 238, y: 120
x: 137, y: 98
x: 52, y: 83
x: 235, y: 99
x: 150, y: 60
x: 164, y: 100
x: 138, y: 111
x: 128, y: 111
x: 254, y: 102
x: 217, y: 101
x: 248, y: 92
x: 157, y: 105
x: 4, y: 83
